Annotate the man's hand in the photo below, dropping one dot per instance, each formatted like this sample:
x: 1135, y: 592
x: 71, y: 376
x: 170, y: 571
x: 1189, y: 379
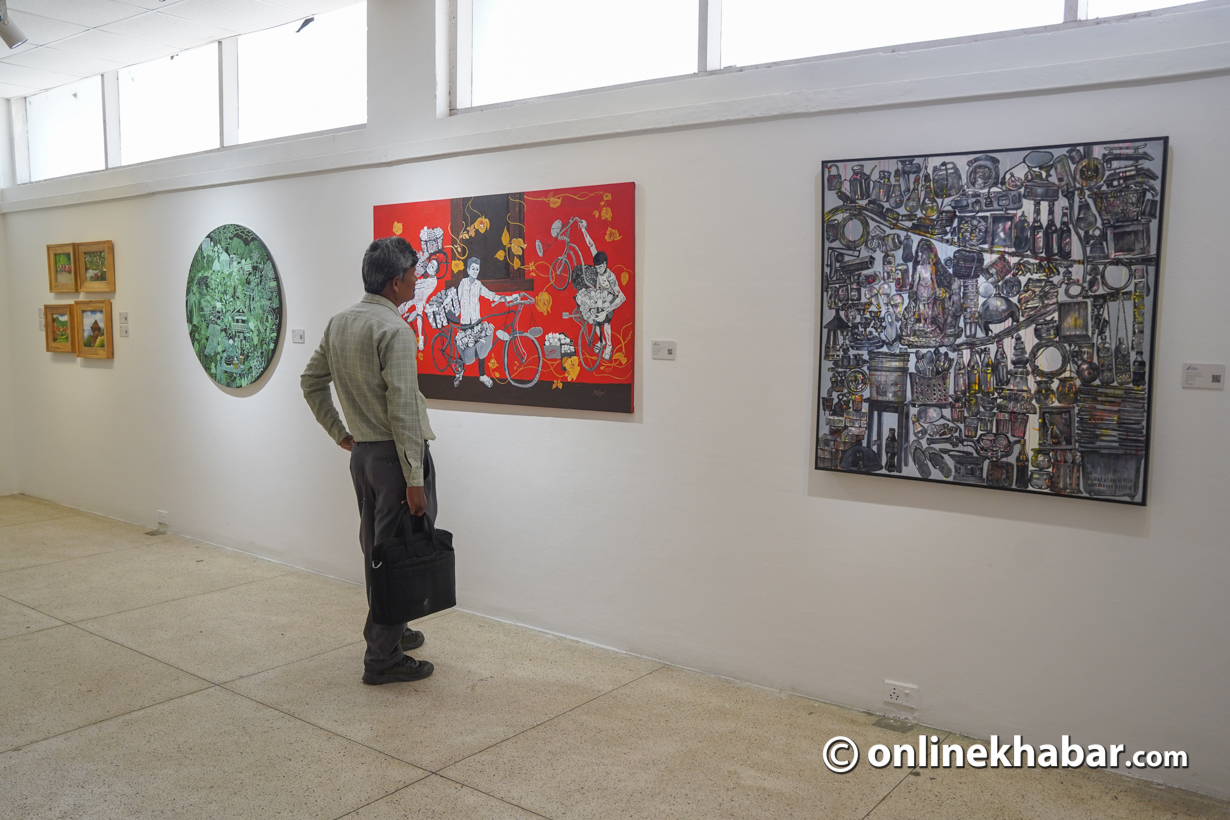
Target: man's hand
x: 416, y: 500
x: 347, y: 443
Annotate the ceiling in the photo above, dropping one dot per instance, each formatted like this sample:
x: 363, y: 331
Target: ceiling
x: 72, y: 39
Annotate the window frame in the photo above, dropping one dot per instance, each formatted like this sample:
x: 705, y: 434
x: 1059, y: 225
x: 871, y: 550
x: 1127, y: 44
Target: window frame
x: 457, y: 96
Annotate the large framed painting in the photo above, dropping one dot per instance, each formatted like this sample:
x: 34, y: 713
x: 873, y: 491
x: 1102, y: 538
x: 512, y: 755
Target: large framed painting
x: 94, y: 266
x: 91, y: 323
x: 989, y: 317
x: 526, y: 298
x: 61, y: 268
x: 234, y: 306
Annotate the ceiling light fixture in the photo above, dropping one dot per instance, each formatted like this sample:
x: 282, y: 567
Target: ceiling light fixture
x: 10, y: 32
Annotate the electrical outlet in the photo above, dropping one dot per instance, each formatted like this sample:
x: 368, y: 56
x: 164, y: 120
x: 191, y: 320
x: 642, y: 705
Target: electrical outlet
x: 901, y: 695
x: 164, y: 518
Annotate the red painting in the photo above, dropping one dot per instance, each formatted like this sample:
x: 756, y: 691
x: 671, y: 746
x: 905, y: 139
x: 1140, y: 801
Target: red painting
x: 526, y: 298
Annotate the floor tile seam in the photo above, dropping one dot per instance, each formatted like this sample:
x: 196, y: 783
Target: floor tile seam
x: 898, y: 783
x: 39, y: 521
x: 492, y: 796
x: 385, y: 797
x: 76, y: 558
x: 168, y: 601
x: 546, y: 721
x: 106, y: 719
x: 336, y: 734
x: 145, y: 655
x: 227, y: 683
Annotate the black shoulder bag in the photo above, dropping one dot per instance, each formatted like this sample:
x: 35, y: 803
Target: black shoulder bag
x: 412, y: 574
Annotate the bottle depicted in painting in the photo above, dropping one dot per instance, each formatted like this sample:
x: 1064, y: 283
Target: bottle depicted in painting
x: 598, y: 295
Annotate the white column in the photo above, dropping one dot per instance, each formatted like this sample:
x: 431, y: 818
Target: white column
x: 709, y: 52
x: 463, y: 53
x: 228, y: 90
x: 21, y: 140
x: 111, y: 118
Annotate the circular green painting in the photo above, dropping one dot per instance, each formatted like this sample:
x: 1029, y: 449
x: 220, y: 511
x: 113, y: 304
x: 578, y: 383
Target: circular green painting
x: 234, y: 306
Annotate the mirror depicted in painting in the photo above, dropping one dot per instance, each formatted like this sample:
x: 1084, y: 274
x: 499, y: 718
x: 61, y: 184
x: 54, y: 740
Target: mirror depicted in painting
x: 525, y: 298
x: 95, y: 267
x: 61, y: 268
x: 989, y: 317
x: 57, y: 322
x: 91, y: 324
x: 234, y: 306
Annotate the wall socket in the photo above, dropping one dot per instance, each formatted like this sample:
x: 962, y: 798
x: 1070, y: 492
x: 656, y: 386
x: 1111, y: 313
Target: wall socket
x: 164, y: 517
x: 901, y: 695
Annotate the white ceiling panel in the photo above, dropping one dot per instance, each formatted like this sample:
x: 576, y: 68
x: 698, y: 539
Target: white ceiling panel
x: 233, y: 15
x: 177, y: 32
x: 306, y: 7
x: 32, y: 77
x: 43, y: 30
x: 7, y: 90
x: 88, y: 13
x: 53, y: 59
x: 107, y: 46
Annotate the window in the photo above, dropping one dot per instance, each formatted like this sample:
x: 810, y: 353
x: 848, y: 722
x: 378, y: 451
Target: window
x: 530, y: 48
x: 65, y: 130
x: 305, y: 76
x: 169, y: 106
x: 763, y: 31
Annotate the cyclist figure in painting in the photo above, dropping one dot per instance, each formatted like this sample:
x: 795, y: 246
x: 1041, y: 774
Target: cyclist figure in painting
x: 474, y: 335
x: 598, y: 295
x: 426, y: 277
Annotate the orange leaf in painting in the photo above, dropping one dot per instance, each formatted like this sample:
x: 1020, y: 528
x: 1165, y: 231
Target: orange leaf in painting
x: 499, y: 255
x: 606, y: 213
x: 458, y: 265
x: 504, y: 238
x: 623, y: 278
x: 518, y: 246
x: 572, y: 366
x: 482, y: 224
x: 606, y: 197
x: 554, y: 202
x: 557, y: 385
x: 612, y: 235
x: 516, y: 263
x: 542, y: 303
x: 397, y: 229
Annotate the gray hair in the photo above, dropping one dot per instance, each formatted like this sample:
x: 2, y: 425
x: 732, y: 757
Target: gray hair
x: 385, y: 260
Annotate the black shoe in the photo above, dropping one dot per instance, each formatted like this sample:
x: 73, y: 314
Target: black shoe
x: 405, y: 669
x: 410, y: 639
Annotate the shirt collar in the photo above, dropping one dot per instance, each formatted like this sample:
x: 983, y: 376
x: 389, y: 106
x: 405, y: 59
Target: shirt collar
x: 377, y: 299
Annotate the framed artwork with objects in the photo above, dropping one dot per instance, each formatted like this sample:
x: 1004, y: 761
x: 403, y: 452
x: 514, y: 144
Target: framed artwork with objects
x: 989, y: 317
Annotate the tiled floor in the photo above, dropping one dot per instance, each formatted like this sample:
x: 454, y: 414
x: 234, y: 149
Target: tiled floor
x: 153, y: 676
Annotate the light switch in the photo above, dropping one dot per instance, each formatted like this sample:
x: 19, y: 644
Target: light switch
x: 664, y: 350
x: 1204, y: 376
x: 297, y: 336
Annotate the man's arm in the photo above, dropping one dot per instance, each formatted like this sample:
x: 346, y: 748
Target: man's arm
x: 399, y: 367
x: 315, y: 382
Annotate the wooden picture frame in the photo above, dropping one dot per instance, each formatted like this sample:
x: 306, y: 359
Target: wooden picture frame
x: 92, y: 329
x: 62, y: 268
x: 61, y: 338
x: 94, y: 267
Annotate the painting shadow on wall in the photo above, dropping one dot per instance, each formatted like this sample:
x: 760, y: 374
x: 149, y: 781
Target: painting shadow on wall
x: 967, y: 501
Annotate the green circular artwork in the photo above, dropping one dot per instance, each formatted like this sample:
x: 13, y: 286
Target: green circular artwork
x: 234, y: 306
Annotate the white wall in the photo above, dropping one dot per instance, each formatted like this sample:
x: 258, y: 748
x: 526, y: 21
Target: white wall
x: 696, y: 531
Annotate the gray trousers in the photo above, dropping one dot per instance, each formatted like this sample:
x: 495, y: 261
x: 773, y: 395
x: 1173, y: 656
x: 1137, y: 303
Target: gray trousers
x: 381, y: 489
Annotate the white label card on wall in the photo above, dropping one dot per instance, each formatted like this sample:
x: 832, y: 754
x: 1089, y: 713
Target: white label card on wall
x: 1204, y: 376
x: 664, y: 350
x: 42, y: 320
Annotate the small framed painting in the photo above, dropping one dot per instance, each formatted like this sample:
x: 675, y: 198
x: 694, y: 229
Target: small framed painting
x: 61, y: 268
x: 91, y: 326
x: 94, y: 266
x: 59, y: 322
